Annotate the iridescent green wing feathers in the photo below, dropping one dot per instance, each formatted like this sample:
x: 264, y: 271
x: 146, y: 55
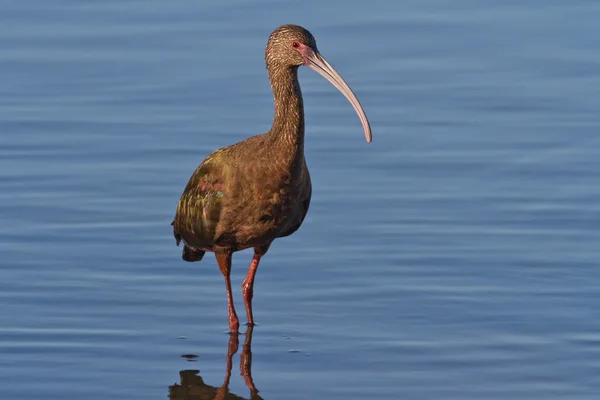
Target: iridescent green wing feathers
x: 199, y: 208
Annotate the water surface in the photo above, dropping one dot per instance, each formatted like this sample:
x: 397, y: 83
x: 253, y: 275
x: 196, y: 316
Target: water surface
x: 454, y: 257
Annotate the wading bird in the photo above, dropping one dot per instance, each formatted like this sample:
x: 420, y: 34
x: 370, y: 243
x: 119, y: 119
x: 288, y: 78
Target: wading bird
x: 257, y: 190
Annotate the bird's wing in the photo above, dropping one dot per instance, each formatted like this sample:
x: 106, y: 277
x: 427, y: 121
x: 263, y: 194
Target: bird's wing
x: 199, y: 208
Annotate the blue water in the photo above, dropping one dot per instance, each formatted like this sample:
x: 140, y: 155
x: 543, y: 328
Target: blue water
x: 455, y: 257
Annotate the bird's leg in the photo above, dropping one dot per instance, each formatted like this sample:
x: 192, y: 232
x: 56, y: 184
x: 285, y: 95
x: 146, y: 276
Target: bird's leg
x: 231, y: 350
x: 246, y: 363
x: 224, y: 261
x: 248, y: 288
x: 248, y: 284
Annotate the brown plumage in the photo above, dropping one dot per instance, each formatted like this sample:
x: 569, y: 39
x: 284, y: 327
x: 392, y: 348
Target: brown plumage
x: 252, y: 192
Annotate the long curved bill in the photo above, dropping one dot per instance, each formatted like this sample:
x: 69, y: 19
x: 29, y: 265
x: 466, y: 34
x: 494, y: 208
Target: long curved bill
x: 322, y: 67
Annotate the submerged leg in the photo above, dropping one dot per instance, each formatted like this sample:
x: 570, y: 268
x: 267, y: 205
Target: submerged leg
x: 246, y: 364
x: 231, y: 350
x: 224, y: 261
x: 248, y: 284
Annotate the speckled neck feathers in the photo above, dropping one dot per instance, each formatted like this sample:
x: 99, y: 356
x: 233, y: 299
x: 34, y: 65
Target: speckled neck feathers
x: 287, y: 131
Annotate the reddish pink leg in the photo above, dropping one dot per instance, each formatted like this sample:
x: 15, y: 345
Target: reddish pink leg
x: 224, y: 261
x: 246, y: 363
x: 248, y: 285
x: 231, y: 350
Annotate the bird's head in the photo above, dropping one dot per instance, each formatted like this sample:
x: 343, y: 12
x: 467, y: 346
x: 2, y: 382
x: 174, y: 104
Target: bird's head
x: 291, y: 46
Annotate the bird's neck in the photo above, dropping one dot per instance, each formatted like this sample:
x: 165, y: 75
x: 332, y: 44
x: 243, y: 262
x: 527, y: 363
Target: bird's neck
x: 287, y: 132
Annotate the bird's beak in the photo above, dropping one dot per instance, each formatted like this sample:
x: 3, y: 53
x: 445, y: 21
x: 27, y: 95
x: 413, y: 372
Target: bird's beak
x: 315, y: 61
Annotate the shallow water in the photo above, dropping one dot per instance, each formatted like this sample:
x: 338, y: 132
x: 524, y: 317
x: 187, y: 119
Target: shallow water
x: 454, y: 257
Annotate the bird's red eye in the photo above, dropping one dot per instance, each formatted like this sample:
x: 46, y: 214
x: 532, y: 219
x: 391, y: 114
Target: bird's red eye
x: 295, y: 44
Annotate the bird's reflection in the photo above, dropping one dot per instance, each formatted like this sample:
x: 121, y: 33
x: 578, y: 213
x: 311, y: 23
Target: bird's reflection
x: 192, y: 386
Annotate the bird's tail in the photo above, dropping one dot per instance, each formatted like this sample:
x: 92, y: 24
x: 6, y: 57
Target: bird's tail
x: 188, y: 254
x: 192, y: 255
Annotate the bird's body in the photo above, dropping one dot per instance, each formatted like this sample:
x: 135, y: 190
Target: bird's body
x: 230, y: 205
x: 250, y: 193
